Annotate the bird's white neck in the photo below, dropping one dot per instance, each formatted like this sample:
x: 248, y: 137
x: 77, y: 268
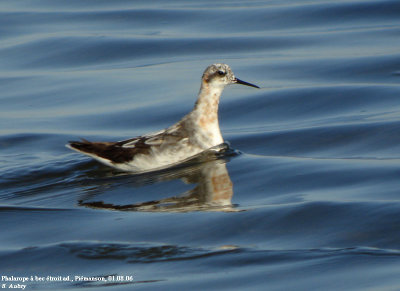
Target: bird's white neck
x: 205, y: 112
x: 208, y: 99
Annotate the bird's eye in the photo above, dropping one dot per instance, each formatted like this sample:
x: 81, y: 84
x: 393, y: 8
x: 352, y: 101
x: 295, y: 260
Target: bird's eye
x: 221, y: 73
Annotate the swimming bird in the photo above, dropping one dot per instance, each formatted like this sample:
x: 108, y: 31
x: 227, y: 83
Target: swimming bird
x: 194, y: 133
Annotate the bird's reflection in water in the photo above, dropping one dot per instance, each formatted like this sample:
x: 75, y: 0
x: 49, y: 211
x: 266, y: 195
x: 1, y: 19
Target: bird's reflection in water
x: 213, y: 190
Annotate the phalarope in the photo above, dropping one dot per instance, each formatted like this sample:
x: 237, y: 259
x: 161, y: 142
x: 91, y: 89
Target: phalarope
x: 195, y: 132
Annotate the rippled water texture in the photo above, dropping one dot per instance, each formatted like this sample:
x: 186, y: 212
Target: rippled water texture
x: 307, y: 198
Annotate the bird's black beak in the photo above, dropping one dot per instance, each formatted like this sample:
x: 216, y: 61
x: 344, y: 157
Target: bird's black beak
x: 238, y: 81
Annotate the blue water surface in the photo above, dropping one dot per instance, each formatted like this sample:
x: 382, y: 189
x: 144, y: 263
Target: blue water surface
x: 307, y: 198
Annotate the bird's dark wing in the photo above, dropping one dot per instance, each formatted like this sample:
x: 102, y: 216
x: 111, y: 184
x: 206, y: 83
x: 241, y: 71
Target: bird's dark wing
x: 124, y: 151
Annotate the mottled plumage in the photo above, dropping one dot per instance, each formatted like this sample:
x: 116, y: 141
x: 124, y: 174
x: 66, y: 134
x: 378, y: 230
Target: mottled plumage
x: 197, y: 131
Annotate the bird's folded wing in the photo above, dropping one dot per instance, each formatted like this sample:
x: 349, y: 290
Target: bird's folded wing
x: 160, y: 139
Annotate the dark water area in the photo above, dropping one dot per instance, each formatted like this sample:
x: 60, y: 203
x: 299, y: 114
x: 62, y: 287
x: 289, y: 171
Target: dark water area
x: 306, y: 198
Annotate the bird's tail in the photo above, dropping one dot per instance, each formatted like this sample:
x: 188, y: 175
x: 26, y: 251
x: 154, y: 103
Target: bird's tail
x: 83, y: 146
